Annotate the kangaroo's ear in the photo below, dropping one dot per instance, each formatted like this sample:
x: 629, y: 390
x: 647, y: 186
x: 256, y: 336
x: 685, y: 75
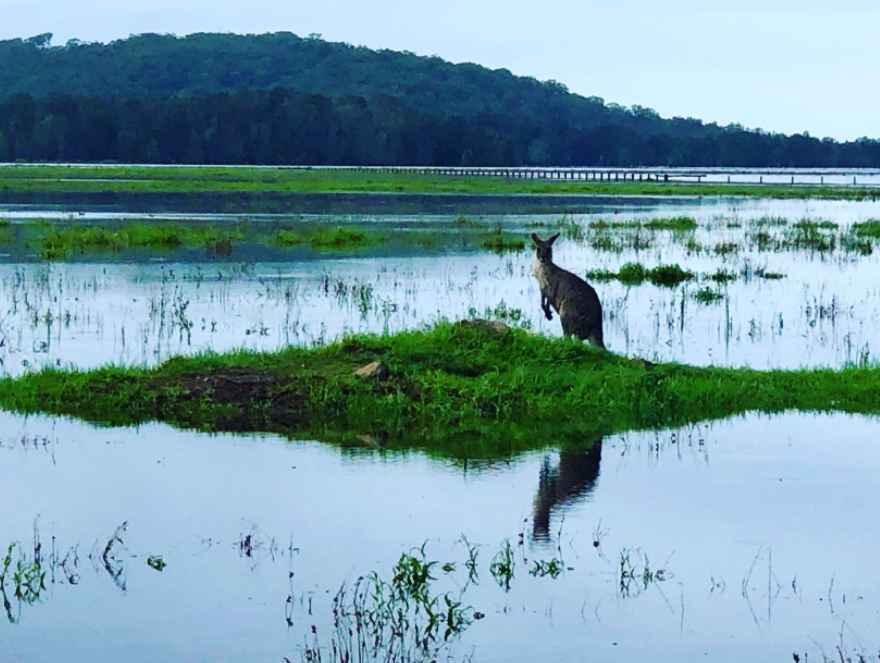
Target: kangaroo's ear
x: 536, y: 239
x: 553, y: 239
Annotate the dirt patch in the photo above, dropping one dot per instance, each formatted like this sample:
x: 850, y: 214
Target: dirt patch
x: 260, y: 399
x: 234, y: 385
x: 247, y: 399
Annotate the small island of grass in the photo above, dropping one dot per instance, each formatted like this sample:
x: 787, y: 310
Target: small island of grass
x: 465, y: 390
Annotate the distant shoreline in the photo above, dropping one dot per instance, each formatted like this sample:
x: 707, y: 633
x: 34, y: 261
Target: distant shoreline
x: 146, y: 185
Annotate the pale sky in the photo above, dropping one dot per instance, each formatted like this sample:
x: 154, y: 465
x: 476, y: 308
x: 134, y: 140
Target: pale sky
x: 781, y: 65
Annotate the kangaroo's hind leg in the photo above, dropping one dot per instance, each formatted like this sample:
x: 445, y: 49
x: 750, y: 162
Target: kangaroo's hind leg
x: 596, y: 337
x: 569, y: 326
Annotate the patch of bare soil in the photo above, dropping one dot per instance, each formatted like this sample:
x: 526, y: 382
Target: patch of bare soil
x: 261, y: 399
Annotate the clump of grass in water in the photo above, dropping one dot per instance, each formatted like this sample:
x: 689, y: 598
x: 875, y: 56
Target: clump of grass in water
x: 693, y: 245
x: 552, y: 568
x: 770, y: 221
x: 58, y: 241
x: 678, y: 223
x: 633, y: 274
x: 286, y: 237
x: 340, y: 238
x: 854, y: 243
x: 635, y: 574
x: 26, y: 579
x: 707, y: 296
x: 503, y: 564
x: 499, y: 243
x: 668, y: 275
x: 722, y: 276
x: 726, y: 248
x: 809, y: 224
x: 396, y: 621
x: 808, y: 234
x: 869, y: 228
x: 602, y: 224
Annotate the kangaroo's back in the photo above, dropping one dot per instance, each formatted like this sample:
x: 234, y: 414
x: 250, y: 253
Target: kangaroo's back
x: 575, y: 300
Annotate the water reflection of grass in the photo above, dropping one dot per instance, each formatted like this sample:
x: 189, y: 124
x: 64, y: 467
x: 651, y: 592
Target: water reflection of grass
x: 455, y: 390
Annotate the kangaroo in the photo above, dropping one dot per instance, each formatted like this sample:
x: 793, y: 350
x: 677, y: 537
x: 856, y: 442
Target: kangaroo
x: 577, y: 304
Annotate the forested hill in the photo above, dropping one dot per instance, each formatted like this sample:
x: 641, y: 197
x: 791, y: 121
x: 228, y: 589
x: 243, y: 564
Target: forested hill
x: 278, y: 98
x: 160, y: 65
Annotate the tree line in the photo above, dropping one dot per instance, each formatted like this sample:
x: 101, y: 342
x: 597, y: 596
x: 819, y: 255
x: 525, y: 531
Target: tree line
x: 282, y: 126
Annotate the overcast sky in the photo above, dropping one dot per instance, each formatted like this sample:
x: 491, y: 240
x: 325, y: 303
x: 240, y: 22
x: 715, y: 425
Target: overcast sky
x: 781, y: 65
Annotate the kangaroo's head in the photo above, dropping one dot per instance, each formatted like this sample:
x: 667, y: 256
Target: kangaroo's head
x: 544, y: 248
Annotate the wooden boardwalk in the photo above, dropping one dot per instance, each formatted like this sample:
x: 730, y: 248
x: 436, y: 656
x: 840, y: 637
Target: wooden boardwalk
x: 865, y: 177
x: 803, y: 176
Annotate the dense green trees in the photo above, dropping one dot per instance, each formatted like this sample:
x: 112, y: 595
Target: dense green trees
x: 280, y: 99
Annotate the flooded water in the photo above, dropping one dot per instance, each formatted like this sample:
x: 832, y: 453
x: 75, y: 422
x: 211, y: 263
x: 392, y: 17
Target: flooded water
x: 757, y: 532
x: 748, y: 539
x: 822, y: 313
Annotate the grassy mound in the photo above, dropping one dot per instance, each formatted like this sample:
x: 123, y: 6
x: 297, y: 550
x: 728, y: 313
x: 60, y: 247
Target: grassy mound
x: 458, y: 390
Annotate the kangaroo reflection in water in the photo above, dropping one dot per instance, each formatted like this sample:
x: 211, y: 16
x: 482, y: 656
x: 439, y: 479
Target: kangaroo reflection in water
x: 571, y: 480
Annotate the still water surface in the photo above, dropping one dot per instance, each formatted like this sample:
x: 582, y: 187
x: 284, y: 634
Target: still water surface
x: 764, y: 528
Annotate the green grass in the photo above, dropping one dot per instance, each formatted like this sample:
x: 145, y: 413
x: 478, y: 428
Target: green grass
x: 722, y: 276
x: 870, y: 229
x: 342, y: 238
x: 287, y: 238
x: 182, y: 179
x: 139, y: 239
x: 453, y: 390
x: 502, y: 244
x: 601, y: 224
x: 707, y: 296
x: 678, y: 223
x: 633, y: 274
x: 808, y: 224
x: 59, y: 241
x: 771, y: 221
x: 726, y: 248
x: 818, y: 237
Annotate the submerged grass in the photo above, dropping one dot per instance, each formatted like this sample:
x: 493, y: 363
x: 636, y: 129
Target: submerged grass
x: 502, y: 243
x: 64, y: 240
x: 633, y: 273
x: 457, y: 390
x: 60, y: 241
x: 707, y: 296
x: 870, y: 229
x: 678, y: 223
